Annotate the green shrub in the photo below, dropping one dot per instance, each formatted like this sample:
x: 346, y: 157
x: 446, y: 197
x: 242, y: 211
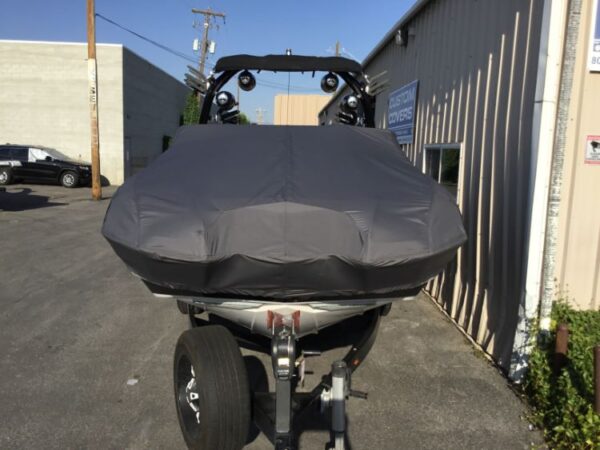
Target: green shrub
x: 191, y: 111
x: 563, y: 403
x: 244, y: 119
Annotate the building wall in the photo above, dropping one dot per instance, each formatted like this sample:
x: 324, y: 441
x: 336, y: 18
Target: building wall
x: 476, y: 62
x: 44, y: 100
x: 303, y: 109
x: 578, y: 254
x: 154, y: 102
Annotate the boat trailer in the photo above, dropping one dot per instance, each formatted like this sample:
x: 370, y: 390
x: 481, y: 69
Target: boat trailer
x: 278, y: 414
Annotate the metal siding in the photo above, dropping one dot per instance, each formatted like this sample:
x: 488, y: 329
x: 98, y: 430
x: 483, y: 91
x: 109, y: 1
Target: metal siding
x: 476, y: 63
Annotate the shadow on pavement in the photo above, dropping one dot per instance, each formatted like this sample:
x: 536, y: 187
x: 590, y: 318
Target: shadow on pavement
x: 24, y: 200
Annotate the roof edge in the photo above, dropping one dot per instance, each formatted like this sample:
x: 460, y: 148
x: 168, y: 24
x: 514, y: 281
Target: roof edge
x: 25, y: 41
x: 407, y: 17
x: 121, y: 46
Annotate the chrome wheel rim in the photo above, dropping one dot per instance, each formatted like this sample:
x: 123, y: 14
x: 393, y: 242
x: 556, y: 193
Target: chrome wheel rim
x: 188, y: 397
x: 69, y: 179
x: 3, y: 176
x: 191, y: 395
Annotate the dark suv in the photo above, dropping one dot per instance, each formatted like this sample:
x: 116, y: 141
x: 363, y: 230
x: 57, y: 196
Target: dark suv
x: 38, y: 164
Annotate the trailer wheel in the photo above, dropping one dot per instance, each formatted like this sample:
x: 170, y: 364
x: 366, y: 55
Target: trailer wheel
x: 258, y: 381
x: 212, y: 394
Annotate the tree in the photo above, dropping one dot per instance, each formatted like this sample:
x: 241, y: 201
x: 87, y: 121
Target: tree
x: 191, y: 112
x: 243, y: 119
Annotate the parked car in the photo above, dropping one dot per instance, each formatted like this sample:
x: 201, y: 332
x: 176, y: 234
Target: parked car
x: 39, y: 164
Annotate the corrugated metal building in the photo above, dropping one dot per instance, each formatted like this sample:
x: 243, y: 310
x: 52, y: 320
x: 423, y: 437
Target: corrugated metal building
x: 493, y: 84
x: 44, y: 101
x: 298, y: 109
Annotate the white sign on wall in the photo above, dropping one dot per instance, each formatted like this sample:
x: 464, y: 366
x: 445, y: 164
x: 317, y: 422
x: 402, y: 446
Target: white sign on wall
x: 592, y: 150
x: 594, y: 54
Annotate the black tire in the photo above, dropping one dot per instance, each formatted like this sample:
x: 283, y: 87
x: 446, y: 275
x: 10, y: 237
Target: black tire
x: 213, y: 401
x: 5, y: 176
x: 258, y: 381
x: 69, y: 179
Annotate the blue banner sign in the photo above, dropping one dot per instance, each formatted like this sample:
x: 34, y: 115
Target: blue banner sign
x: 402, y: 105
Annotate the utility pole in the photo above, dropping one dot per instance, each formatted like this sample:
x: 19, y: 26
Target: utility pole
x: 93, y: 100
x: 337, y: 48
x: 260, y: 118
x: 208, y: 16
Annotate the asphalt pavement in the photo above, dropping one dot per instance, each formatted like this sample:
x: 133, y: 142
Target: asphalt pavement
x: 86, y: 352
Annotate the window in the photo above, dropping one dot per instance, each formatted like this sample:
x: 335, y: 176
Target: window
x: 19, y: 153
x: 4, y: 154
x: 441, y: 162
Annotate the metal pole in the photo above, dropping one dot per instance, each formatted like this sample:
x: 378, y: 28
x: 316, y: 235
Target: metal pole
x: 208, y: 15
x: 561, y: 348
x: 93, y: 100
x: 339, y: 374
x: 204, y: 44
x: 260, y: 115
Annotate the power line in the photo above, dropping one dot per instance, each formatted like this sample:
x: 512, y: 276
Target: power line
x: 284, y: 88
x: 264, y: 83
x: 275, y: 85
x: 150, y: 41
x: 188, y: 3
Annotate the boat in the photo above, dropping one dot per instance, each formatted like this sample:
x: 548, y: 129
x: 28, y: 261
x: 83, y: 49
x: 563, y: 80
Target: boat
x: 277, y: 235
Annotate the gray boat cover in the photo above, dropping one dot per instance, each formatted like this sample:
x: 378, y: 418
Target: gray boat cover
x: 286, y: 212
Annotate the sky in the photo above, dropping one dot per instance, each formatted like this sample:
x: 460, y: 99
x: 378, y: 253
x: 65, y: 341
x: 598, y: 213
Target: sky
x: 259, y: 27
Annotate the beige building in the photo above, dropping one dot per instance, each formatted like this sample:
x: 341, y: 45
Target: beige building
x: 577, y: 183
x: 43, y: 101
x: 298, y: 109
x: 500, y: 102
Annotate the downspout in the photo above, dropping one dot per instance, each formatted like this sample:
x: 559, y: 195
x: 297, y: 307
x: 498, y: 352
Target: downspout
x: 542, y: 145
x: 566, y: 84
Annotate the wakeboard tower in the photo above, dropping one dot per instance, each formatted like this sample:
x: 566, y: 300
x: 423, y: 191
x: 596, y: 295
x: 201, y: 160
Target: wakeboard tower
x: 280, y: 239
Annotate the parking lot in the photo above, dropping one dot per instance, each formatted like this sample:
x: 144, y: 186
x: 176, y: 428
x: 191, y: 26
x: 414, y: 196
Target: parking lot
x: 87, y: 352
